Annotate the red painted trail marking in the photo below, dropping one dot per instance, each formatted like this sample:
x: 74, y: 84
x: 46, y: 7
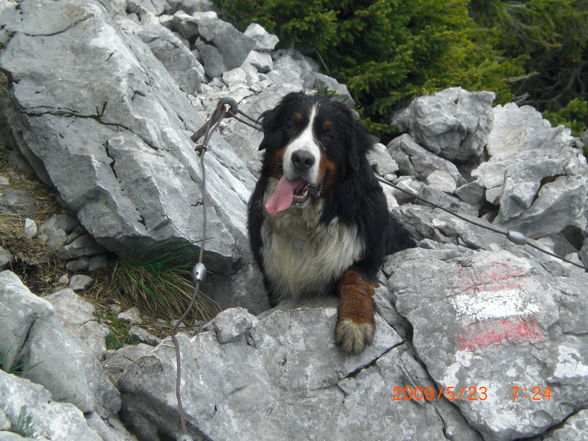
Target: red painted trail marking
x: 496, y: 277
x: 497, y: 332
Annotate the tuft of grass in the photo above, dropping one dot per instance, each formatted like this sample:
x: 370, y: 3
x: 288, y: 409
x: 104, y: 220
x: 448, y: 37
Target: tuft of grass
x: 159, y: 282
x: 23, y: 423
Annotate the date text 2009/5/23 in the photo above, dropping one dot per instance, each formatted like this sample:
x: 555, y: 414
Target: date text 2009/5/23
x: 472, y: 393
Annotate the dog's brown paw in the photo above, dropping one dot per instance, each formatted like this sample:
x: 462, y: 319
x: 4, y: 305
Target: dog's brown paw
x: 353, y: 337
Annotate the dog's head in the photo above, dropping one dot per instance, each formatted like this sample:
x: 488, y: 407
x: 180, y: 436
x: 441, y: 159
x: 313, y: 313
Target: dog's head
x: 312, y: 144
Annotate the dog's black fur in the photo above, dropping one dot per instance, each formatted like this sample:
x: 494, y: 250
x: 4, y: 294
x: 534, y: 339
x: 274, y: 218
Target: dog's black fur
x: 355, y: 199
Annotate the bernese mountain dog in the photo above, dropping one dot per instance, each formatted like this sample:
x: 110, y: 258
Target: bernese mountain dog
x: 318, y: 220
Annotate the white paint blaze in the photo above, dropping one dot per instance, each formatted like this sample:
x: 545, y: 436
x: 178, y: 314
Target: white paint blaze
x: 304, y: 141
x: 487, y: 305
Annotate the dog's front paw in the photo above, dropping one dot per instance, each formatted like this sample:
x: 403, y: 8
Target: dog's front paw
x: 353, y: 337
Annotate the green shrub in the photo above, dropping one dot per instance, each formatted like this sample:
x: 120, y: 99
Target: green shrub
x: 550, y: 39
x: 389, y: 51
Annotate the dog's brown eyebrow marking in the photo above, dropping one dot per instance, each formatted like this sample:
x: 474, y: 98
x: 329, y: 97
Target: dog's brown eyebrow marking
x: 297, y: 117
x: 326, y: 125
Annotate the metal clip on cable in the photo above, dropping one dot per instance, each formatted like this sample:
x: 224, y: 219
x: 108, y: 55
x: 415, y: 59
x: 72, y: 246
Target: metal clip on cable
x: 199, y: 273
x: 517, y: 237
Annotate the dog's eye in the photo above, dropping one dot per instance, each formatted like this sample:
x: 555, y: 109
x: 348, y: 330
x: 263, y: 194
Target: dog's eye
x: 325, y: 137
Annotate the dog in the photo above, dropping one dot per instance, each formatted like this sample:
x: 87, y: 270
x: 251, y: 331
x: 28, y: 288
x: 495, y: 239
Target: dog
x: 318, y: 220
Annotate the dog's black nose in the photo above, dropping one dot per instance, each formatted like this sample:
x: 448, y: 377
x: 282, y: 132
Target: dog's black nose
x: 302, y: 159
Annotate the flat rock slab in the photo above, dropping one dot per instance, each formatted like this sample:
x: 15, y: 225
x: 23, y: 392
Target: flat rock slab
x: 486, y: 323
x: 282, y: 378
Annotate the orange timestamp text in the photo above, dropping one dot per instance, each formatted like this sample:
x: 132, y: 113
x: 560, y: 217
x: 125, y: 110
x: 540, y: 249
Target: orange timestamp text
x: 472, y: 393
x: 535, y: 393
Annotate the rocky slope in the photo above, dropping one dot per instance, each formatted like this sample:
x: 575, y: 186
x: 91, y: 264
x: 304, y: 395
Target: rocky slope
x: 101, y: 101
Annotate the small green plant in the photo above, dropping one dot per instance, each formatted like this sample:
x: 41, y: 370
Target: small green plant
x: 573, y: 115
x: 23, y: 423
x: 120, y: 333
x: 159, y: 282
x: 20, y: 368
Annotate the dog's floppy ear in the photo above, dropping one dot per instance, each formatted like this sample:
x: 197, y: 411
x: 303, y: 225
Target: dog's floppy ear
x: 359, y: 141
x: 267, y: 123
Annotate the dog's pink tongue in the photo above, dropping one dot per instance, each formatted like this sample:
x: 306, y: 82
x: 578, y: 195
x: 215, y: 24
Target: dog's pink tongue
x: 282, y: 196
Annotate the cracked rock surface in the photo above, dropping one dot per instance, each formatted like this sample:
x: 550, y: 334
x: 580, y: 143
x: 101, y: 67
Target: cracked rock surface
x: 268, y: 383
x: 102, y: 97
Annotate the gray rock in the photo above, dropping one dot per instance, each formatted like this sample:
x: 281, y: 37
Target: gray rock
x: 79, y: 264
x: 286, y: 372
x: 212, y: 59
x: 261, y: 61
x: 584, y: 137
x: 264, y: 41
x: 80, y: 282
x: 186, y: 25
x: 574, y: 428
x: 453, y: 123
x: 77, y: 316
x: 442, y: 181
x: 557, y: 244
x: 379, y: 158
x: 4, y: 180
x: 59, y: 221
x: 232, y: 45
x: 144, y: 336
x: 6, y: 258
x: 447, y: 201
x: 472, y: 193
x: 234, y: 77
x: 131, y: 315
x: 416, y: 161
x: 385, y: 307
x: 54, y: 230
x: 63, y: 280
x: 19, y: 312
x: 232, y: 323
x: 33, y: 336
x: 110, y: 429
x: 10, y: 436
x: 30, y: 228
x: 117, y: 361
x: 584, y: 252
x: 141, y: 181
x: 523, y: 128
x: 83, y: 245
x: 292, y: 67
x: 17, y: 201
x: 389, y: 193
x: 495, y: 320
x: 98, y: 262
x: 50, y: 420
x: 177, y: 58
x: 156, y: 7
x: 331, y: 85
x: 541, y: 192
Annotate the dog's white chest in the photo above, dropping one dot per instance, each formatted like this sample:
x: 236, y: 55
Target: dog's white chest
x: 302, y: 256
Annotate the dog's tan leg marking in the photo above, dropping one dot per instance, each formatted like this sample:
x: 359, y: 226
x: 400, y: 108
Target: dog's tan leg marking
x: 355, y: 320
